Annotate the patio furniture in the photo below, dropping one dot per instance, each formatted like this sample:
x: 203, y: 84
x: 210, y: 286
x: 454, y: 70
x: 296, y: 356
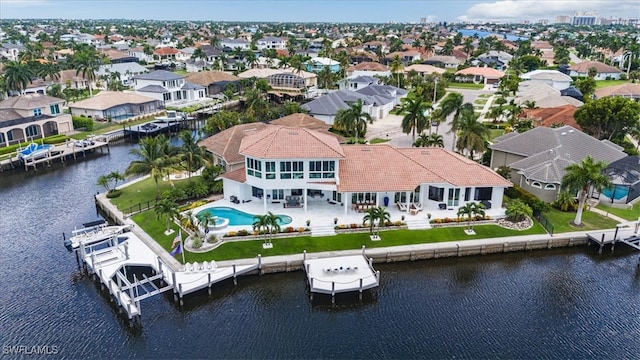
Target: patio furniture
x: 442, y: 206
x: 234, y: 199
x: 487, y: 204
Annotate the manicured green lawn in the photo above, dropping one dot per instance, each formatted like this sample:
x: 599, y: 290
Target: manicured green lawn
x: 251, y: 248
x: 630, y: 214
x: 471, y: 86
x: 494, y: 133
x: 378, y: 141
x: 181, y: 72
x: 142, y: 192
x: 591, y: 221
x: 484, y: 96
x: 480, y: 101
x: 605, y: 83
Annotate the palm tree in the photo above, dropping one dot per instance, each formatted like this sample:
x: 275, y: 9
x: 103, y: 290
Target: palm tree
x: 435, y: 140
x: 17, y: 75
x: 273, y: 222
x: 517, y: 210
x: 87, y: 64
x: 115, y: 176
x: 261, y: 222
x: 204, y: 220
x: 396, y: 66
x: 166, y: 209
x: 198, y: 53
x: 370, y: 217
x: 103, y: 181
x: 49, y: 70
x: 156, y: 158
x: 454, y: 104
x: 353, y: 120
x: 467, y: 46
x: 421, y: 141
x: 414, y: 119
x: 471, y: 133
x: 582, y: 178
x: 191, y: 153
x: 187, y: 222
x: 471, y: 210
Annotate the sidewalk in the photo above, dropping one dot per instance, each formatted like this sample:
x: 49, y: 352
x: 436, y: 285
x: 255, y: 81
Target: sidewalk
x: 609, y: 215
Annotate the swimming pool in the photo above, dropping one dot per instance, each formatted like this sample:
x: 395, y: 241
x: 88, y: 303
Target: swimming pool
x: 237, y: 217
x: 620, y: 192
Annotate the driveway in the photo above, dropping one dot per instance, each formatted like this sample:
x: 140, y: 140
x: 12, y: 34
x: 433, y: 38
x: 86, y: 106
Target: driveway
x: 390, y: 127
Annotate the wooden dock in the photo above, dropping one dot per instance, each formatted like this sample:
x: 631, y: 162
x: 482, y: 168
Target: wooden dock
x: 624, y: 233
x: 63, y: 152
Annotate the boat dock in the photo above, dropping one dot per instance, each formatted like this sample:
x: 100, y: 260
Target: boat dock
x: 63, y: 152
x: 334, y: 275
x: 626, y: 233
x: 108, y: 261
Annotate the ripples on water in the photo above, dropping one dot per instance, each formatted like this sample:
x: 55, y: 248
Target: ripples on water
x: 565, y: 303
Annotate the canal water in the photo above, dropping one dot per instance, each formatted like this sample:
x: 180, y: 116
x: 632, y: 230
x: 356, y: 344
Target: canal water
x: 561, y: 303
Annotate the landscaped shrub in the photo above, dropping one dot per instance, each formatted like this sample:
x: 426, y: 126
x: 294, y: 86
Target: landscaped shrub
x: 301, y: 229
x: 212, y: 238
x: 197, y: 243
x: 289, y: 229
x: 537, y: 205
x: 354, y: 226
x: 243, y: 232
x: 231, y: 234
x: 518, y: 210
x: 197, y: 189
x: 81, y: 122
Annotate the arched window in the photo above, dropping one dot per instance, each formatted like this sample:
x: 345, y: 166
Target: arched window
x: 550, y: 187
x: 536, y: 184
x: 31, y: 130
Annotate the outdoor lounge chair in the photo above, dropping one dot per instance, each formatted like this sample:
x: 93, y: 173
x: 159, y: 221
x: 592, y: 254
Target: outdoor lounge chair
x: 442, y: 206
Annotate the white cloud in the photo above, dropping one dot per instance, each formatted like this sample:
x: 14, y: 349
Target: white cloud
x: 24, y: 3
x: 516, y: 10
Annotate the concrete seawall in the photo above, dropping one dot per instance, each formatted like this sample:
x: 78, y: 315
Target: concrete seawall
x: 286, y: 263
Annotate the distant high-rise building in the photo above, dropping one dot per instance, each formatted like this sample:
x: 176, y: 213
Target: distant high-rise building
x: 423, y: 20
x: 585, y: 18
x: 543, y: 21
x: 563, y: 19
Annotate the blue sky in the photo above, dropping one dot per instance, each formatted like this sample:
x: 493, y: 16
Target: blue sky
x: 312, y: 10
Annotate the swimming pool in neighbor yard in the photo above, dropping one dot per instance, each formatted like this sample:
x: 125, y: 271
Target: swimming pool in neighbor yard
x: 237, y: 217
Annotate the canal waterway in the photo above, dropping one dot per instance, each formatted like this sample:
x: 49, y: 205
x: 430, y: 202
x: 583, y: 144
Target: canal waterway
x: 561, y: 303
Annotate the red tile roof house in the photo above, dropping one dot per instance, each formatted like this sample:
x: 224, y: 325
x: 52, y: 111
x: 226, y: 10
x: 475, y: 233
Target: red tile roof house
x: 310, y: 171
x: 483, y: 75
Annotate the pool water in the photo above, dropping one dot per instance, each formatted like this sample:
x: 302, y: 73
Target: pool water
x: 237, y: 217
x: 620, y: 192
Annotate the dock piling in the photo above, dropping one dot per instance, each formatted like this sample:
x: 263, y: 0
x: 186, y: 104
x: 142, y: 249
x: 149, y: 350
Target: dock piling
x: 235, y: 279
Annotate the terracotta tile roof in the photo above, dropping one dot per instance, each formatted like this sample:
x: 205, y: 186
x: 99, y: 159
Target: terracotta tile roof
x: 368, y: 168
x: 281, y: 142
x: 238, y: 175
x: 206, y: 78
x: 226, y: 143
x: 165, y: 51
x: 561, y: 115
x: 627, y: 90
x: 424, y: 68
x: 481, y: 71
x: 307, y: 122
x: 368, y: 66
x: 584, y: 67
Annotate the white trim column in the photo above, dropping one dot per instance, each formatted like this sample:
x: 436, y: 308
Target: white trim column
x: 264, y: 200
x: 408, y: 201
x: 305, y: 198
x: 344, y: 201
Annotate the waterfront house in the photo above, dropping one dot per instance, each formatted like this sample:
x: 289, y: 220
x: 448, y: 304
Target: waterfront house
x: 445, y: 61
x: 225, y: 145
x: 271, y: 42
x: 29, y: 117
x: 215, y: 81
x: 298, y: 167
x: 168, y: 87
x: 538, y: 157
x: 628, y: 90
x: 115, y: 106
x: 553, y: 78
x: 285, y: 81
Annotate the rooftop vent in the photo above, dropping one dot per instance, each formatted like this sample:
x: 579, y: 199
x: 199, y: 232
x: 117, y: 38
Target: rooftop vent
x: 563, y: 133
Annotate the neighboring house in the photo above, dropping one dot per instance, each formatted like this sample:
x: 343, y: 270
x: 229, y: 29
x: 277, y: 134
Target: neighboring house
x: 628, y: 90
x: 553, y: 78
x: 304, y: 168
x: 69, y: 79
x: 271, y: 42
x: 165, y: 55
x: 138, y: 53
x: 317, y: 64
x: 496, y: 59
x: 369, y: 68
x: 195, y: 65
x: 118, y: 56
x: 377, y: 101
x: 115, y: 106
x: 168, y: 87
x: 423, y: 70
x: 285, y: 80
x: 28, y: 117
x: 543, y: 95
x: 373, y: 46
x: 357, y: 82
x: 362, y: 56
x: 553, y: 116
x: 225, y: 145
x: 479, y: 75
x: 232, y: 44
x: 447, y: 62
x: 603, y: 71
x: 538, y: 157
x: 406, y: 57
x: 215, y: 81
x: 10, y: 51
x: 126, y: 70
